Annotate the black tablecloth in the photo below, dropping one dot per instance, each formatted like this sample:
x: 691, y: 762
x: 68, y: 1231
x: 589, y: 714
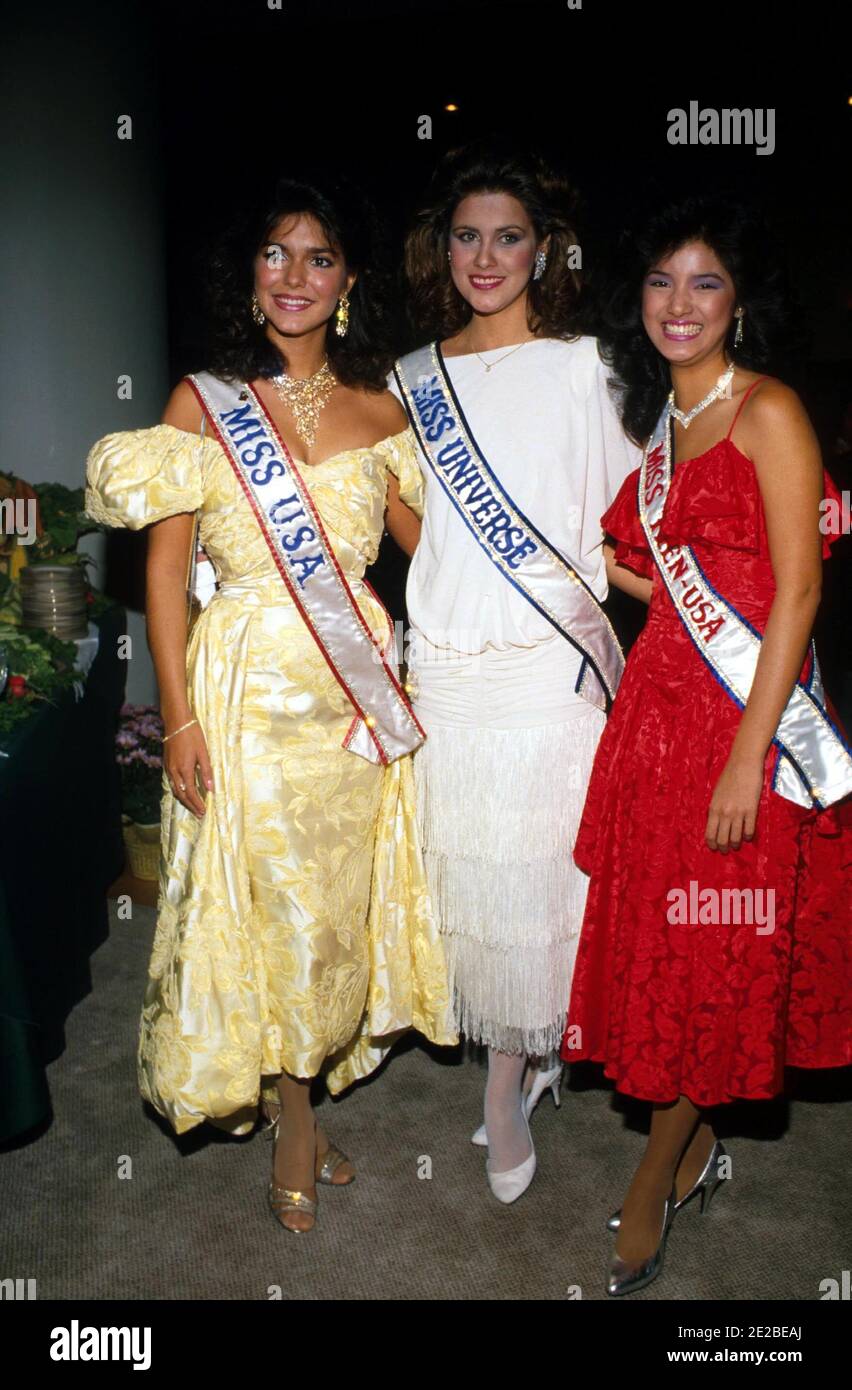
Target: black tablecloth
x: 60, y: 848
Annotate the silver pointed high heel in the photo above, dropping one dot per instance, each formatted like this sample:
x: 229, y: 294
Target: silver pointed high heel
x: 706, y: 1183
x: 544, y: 1080
x: 509, y: 1186
x: 627, y: 1276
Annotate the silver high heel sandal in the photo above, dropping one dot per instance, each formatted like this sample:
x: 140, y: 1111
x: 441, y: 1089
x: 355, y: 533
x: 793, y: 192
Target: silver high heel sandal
x: 706, y: 1183
x: 626, y: 1276
x: 286, y: 1199
x: 544, y: 1080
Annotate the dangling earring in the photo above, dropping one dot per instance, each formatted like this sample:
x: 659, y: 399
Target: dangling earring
x: 540, y: 263
x: 256, y: 312
x: 341, y: 313
x: 739, y: 315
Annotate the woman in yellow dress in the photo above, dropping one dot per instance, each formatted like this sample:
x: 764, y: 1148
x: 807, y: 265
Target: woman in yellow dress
x: 294, y: 932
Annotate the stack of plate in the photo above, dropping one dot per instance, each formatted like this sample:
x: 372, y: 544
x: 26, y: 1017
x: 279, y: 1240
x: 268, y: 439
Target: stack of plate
x: 54, y: 597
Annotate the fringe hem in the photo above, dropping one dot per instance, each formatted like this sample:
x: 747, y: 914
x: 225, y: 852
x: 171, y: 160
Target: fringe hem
x: 512, y: 1000
x: 505, y: 796
x: 539, y: 1042
x: 510, y: 906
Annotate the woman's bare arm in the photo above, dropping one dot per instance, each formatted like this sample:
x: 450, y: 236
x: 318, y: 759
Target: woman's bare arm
x: 165, y: 610
x: 400, y: 520
x: 778, y: 437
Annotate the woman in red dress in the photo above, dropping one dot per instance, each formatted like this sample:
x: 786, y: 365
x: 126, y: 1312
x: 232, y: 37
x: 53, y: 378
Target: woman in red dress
x: 687, y: 1005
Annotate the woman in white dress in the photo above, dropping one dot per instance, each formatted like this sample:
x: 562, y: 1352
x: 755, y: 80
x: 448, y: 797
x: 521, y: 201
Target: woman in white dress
x: 501, y: 779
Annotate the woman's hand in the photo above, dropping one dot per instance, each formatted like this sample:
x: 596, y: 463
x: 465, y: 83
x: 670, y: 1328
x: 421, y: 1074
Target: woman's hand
x: 185, y: 757
x: 733, y: 806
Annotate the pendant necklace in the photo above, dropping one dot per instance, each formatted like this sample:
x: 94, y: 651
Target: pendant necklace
x: 713, y: 395
x: 305, y: 397
x: 489, y: 365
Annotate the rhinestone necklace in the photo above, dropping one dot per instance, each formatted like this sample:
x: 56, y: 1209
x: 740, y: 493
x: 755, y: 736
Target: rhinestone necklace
x: 305, y: 397
x: 718, y: 390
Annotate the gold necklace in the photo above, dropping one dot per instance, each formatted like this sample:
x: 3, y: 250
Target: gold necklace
x: 305, y: 397
x: 489, y: 365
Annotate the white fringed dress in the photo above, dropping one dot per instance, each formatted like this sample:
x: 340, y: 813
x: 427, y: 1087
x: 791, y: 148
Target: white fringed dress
x: 502, y: 777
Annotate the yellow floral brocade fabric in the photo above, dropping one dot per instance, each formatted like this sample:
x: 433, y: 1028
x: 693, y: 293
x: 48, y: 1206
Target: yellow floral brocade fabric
x: 294, y: 923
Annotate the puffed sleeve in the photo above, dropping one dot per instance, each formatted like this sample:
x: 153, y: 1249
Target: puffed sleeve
x: 610, y: 456
x: 620, y: 455
x: 401, y: 457
x: 137, y: 477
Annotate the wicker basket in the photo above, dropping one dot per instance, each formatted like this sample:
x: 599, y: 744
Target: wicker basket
x: 142, y: 843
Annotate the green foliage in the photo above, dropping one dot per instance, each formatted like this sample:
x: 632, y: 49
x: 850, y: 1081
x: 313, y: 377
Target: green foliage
x: 64, y: 522
x: 45, y: 662
x: 10, y: 600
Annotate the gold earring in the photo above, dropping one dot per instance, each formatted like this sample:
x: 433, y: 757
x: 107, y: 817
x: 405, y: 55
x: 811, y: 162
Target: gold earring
x: 256, y: 312
x: 341, y: 313
x: 739, y: 315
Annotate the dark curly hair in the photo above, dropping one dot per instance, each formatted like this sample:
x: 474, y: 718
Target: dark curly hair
x: 238, y: 349
x: 494, y: 166
x: 739, y: 236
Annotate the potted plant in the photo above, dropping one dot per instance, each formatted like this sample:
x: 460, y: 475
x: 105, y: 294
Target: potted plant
x: 60, y: 521
x: 38, y: 666
x: 138, y: 744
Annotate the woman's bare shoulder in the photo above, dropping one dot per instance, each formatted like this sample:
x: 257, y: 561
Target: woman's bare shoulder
x: 380, y: 410
x: 183, y: 409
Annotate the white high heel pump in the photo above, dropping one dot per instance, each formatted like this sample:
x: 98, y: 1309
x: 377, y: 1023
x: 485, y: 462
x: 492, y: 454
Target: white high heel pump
x: 544, y: 1079
x: 509, y: 1186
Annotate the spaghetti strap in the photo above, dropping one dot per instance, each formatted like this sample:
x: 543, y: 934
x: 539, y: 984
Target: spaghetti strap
x: 746, y: 395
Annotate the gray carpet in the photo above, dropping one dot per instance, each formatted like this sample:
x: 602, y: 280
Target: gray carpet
x: 192, y: 1222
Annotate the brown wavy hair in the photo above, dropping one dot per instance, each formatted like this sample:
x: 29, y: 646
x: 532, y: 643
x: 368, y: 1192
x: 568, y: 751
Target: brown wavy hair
x: 494, y: 166
x: 239, y: 350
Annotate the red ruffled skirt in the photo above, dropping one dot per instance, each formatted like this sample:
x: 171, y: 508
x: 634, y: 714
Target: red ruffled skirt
x: 711, y: 1011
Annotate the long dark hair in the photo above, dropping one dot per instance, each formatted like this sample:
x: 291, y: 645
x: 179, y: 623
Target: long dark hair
x: 739, y: 236
x: 239, y: 349
x: 494, y: 166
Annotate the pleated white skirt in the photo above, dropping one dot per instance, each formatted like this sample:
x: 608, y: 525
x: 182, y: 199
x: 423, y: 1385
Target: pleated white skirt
x: 501, y: 781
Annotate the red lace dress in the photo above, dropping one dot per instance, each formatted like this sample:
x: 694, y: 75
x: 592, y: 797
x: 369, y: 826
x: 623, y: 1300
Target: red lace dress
x: 713, y: 1012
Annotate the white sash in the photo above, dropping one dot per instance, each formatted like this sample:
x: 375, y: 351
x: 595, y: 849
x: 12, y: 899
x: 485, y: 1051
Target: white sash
x: 523, y: 556
x: 814, y: 765
x: 385, y: 727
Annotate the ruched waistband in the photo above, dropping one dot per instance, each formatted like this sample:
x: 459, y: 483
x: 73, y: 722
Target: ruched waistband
x: 516, y: 687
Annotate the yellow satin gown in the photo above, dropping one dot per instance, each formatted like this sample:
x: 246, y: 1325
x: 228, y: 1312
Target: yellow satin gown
x: 294, y: 922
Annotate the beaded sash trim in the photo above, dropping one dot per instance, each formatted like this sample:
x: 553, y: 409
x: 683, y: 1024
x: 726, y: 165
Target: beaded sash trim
x: 384, y: 727
x: 813, y: 765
